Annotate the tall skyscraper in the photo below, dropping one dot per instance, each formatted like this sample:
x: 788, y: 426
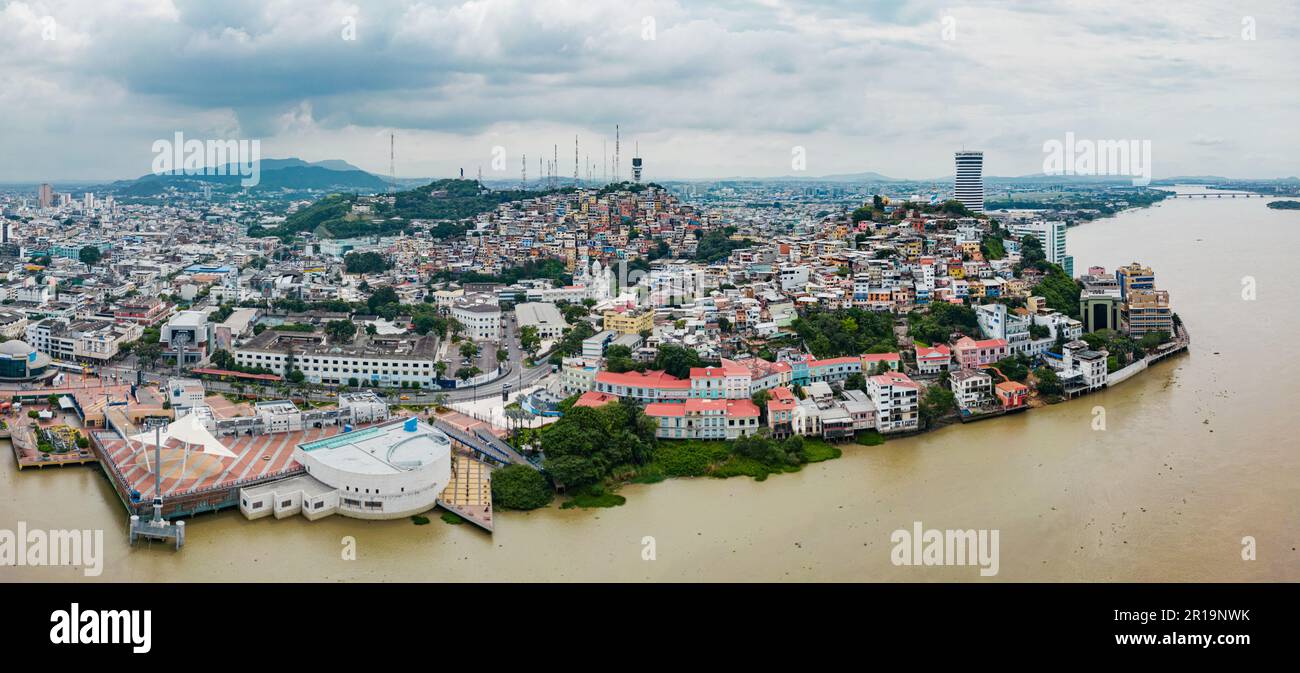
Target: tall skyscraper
x: 969, y: 182
x: 45, y: 195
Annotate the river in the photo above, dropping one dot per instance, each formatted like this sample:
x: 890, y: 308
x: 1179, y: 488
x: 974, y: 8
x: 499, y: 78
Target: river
x: 1197, y: 452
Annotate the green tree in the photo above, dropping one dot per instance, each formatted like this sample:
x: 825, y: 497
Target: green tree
x: 677, y: 360
x: 845, y: 332
x: 520, y: 487
x: 936, y: 402
x: 1048, y: 382
x: 365, y: 262
x: 340, y: 331
x: 89, y: 255
x: 1015, y: 367
x: 382, y: 297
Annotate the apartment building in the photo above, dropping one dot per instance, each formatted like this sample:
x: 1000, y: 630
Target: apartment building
x: 629, y: 322
x: 970, y: 353
x: 92, y: 341
x: 704, y: 418
x: 1145, y: 311
x: 381, y: 361
x: 897, y: 399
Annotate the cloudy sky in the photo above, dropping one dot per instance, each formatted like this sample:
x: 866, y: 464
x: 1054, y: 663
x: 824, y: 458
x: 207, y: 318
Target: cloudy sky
x: 709, y: 89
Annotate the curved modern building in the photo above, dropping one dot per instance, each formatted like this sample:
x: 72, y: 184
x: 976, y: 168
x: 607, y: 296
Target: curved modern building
x: 385, y: 471
x: 969, y: 182
x: 20, y: 362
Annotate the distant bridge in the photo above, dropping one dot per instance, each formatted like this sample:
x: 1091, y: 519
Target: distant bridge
x: 1216, y: 195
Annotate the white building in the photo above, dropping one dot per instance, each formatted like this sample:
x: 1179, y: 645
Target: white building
x: 897, y: 399
x: 185, y: 393
x: 971, y: 387
x: 545, y: 317
x: 480, y: 317
x: 363, y: 407
x: 386, y: 361
x: 1051, y: 235
x: 187, y: 329
x: 388, y: 471
x: 968, y: 184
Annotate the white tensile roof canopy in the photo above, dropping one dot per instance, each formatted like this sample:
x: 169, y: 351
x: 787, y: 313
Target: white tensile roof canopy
x: 189, y: 430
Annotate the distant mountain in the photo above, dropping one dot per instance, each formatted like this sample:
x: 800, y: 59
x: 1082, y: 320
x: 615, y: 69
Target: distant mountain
x: 335, y: 165
x: 290, y: 174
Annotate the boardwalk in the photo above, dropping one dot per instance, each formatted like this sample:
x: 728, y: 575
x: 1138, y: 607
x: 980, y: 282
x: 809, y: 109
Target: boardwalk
x: 469, y: 494
x: 260, y: 458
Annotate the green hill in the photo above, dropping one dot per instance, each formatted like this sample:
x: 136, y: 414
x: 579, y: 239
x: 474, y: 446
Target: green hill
x: 448, y: 202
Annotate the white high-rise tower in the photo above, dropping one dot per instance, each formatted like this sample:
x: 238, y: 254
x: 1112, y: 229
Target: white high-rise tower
x: 969, y: 181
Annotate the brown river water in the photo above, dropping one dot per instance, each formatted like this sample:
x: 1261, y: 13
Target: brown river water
x: 1198, y: 452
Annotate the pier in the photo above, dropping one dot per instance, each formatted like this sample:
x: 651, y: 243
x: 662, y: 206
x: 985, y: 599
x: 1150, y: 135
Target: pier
x: 469, y: 495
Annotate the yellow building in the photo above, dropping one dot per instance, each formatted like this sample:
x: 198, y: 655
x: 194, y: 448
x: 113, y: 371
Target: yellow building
x: 630, y: 322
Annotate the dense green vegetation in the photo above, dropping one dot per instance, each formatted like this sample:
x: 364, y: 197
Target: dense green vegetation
x: 1060, y: 291
x: 532, y: 269
x: 587, y: 444
x: 1284, y: 205
x: 455, y: 200
x: 1049, y: 384
x: 936, y: 403
x: 520, y: 487
x: 939, y: 322
x: 851, y: 331
x: 716, y: 245
x: 1015, y: 367
x: 756, y: 456
x: 593, y: 496
x: 450, y: 201
x: 365, y: 262
x: 992, y: 248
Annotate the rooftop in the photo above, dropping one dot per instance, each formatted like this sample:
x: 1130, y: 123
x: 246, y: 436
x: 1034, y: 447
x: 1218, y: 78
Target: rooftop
x: 391, y: 448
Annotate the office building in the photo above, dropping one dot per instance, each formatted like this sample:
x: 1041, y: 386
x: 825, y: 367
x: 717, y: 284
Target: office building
x: 969, y: 181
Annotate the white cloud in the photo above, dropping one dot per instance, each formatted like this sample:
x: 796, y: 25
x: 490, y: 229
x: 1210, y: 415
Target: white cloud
x: 725, y: 88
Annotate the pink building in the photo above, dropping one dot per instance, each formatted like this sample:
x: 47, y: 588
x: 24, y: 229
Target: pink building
x: 970, y: 353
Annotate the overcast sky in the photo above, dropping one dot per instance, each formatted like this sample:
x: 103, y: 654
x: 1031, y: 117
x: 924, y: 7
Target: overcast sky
x: 709, y: 89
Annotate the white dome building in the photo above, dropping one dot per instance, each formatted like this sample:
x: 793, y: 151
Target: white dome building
x: 386, y: 471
